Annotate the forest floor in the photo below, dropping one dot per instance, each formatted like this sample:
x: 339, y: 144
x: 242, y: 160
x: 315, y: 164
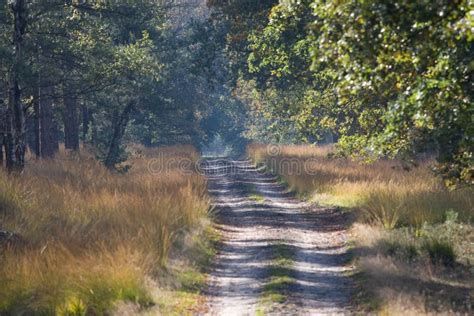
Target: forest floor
x: 277, y: 254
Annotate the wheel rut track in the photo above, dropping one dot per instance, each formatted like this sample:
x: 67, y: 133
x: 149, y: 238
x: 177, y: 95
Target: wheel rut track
x: 251, y: 229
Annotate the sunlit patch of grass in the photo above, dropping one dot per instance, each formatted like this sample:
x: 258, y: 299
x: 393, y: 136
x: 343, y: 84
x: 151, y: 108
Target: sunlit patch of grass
x: 177, y: 302
x: 384, y: 192
x: 191, y: 280
x: 257, y: 197
x: 186, y: 298
x: 55, y: 280
x: 92, y: 238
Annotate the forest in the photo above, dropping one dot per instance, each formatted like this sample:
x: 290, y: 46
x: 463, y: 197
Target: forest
x: 129, y: 130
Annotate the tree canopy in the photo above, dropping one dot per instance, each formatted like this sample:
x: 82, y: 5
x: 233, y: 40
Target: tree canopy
x: 383, y: 79
x: 379, y: 79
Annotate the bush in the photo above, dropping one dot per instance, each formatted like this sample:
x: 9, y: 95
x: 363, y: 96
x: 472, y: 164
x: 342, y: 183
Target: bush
x: 400, y: 244
x: 440, y: 252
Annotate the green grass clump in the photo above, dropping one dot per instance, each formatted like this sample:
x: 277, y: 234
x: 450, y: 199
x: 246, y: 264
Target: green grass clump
x: 275, y: 289
x: 440, y: 252
x: 436, y: 242
x: 257, y: 197
x: 280, y: 279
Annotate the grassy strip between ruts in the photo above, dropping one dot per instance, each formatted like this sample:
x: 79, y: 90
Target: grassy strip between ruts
x: 412, y: 240
x: 279, y: 279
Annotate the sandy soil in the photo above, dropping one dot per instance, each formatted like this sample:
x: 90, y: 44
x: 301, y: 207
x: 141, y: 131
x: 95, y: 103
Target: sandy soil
x: 253, y: 228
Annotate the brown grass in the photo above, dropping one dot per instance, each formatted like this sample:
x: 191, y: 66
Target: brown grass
x: 384, y: 191
x: 91, y: 238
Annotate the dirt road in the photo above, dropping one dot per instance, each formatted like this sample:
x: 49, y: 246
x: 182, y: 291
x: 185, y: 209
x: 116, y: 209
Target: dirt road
x: 278, y: 255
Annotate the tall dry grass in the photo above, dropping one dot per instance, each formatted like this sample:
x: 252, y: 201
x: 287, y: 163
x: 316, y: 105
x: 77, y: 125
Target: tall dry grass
x: 386, y: 193
x: 88, y: 238
x: 412, y: 245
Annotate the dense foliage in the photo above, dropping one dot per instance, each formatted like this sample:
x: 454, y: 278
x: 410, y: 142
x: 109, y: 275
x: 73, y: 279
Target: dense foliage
x: 384, y: 79
x: 105, y: 72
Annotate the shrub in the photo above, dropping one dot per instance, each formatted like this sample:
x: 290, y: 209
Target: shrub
x: 440, y: 252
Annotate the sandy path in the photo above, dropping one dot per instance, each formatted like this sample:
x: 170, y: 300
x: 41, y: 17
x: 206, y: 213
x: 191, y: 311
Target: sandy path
x: 251, y: 229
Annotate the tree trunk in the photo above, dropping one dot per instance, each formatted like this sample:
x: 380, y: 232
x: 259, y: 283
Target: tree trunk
x: 85, y: 122
x: 16, y: 139
x: 36, y: 125
x: 119, y: 130
x: 36, y: 113
x: 93, y: 127
x: 71, y: 121
x: 3, y: 129
x: 30, y: 130
x: 48, y: 140
x: 8, y: 142
x: 1, y: 150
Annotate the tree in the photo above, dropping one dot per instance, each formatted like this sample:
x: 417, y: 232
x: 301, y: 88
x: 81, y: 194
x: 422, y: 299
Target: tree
x: 404, y: 70
x: 15, y: 118
x: 69, y: 53
x: 387, y: 79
